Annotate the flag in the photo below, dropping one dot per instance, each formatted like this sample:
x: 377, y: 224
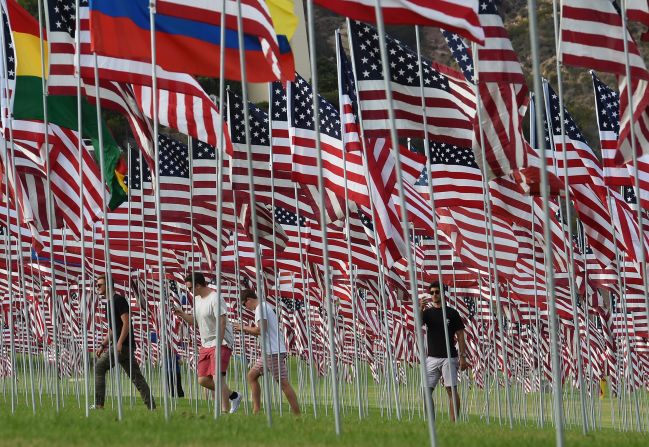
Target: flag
x: 256, y: 19
x: 592, y: 36
x: 450, y: 101
x: 182, y: 45
x: 460, y: 16
x: 62, y: 110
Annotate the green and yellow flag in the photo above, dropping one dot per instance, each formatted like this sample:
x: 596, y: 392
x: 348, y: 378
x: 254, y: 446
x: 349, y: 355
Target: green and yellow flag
x: 61, y: 110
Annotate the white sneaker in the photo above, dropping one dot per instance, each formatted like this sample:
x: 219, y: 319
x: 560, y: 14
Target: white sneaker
x: 93, y: 407
x: 234, y: 403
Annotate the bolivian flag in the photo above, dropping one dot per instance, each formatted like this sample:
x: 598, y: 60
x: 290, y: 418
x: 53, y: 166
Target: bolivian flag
x: 62, y: 110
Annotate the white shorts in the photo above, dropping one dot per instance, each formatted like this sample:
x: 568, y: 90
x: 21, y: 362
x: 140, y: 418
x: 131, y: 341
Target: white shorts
x: 437, y: 367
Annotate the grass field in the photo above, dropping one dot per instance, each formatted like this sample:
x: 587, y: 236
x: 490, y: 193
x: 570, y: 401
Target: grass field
x: 140, y: 427
x: 191, y: 422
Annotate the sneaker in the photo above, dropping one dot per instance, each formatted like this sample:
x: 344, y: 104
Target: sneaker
x: 94, y: 407
x: 234, y: 403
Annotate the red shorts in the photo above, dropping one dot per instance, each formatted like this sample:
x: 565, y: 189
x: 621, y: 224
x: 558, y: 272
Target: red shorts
x: 206, y: 365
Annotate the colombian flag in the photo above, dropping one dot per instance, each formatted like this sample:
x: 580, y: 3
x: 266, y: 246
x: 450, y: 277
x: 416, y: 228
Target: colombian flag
x: 121, y: 29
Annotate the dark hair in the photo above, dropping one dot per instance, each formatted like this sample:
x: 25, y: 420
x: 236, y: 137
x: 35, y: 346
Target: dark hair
x: 247, y: 294
x: 196, y: 278
x: 437, y: 285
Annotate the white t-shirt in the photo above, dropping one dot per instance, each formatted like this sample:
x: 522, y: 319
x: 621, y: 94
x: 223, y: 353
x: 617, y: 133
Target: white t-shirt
x: 274, y: 344
x: 205, y: 314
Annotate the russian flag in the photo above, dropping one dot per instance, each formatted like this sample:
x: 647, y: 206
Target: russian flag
x: 121, y: 29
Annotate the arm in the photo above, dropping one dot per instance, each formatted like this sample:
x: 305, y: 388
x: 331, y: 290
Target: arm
x: 461, y: 343
x: 184, y: 315
x: 252, y: 330
x: 126, y: 327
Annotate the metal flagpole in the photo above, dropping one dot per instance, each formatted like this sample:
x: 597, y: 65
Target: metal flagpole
x: 491, y: 242
x: 109, y: 278
x: 48, y: 196
x: 323, y: 218
x: 253, y: 212
x: 571, y: 276
x: 552, y: 312
x: 349, y: 248
x: 404, y: 213
x: 307, y: 312
x: 162, y: 337
x: 420, y: 64
x: 634, y: 158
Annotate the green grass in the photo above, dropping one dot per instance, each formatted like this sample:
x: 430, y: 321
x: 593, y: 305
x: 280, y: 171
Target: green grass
x: 139, y: 427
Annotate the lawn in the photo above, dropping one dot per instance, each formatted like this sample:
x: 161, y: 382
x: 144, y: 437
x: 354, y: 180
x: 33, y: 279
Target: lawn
x: 185, y: 427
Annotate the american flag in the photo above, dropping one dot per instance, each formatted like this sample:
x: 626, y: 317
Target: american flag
x: 302, y: 130
x: 282, y: 162
x: 457, y: 15
x: 583, y: 166
x: 259, y: 125
x: 8, y: 83
x: 457, y: 179
x: 450, y: 101
x: 583, y: 24
x: 502, y: 87
x: 607, y: 104
x: 348, y: 99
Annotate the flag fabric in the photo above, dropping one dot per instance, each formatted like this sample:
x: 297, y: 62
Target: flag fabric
x: 460, y: 16
x: 592, y: 36
x: 182, y: 45
x: 450, y: 101
x: 62, y: 110
x: 303, y: 144
x: 256, y: 18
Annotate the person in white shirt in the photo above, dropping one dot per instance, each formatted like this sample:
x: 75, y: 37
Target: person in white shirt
x: 205, y: 314
x: 266, y: 323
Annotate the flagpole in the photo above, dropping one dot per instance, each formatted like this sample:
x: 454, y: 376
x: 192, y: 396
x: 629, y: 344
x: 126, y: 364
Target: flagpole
x: 48, y: 192
x: 491, y: 242
x: 552, y: 317
x: 349, y: 244
x: 634, y: 158
x: 253, y: 210
x: 323, y: 218
x: 431, y: 193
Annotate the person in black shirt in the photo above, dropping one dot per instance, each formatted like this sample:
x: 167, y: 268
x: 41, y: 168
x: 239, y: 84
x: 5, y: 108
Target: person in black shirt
x: 438, y: 363
x: 121, y: 327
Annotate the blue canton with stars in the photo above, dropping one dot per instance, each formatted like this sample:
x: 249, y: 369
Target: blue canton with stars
x: 608, y: 105
x: 287, y: 218
x: 448, y: 154
x: 460, y: 52
x: 302, y: 107
x: 174, y: 158
x: 572, y: 131
x: 347, y: 83
x: 404, y: 67
x: 203, y: 151
x: 10, y: 55
x: 259, y: 126
x: 278, y: 106
x: 62, y: 15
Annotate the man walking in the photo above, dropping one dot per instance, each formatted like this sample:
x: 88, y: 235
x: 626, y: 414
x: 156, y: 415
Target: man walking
x: 437, y: 362
x: 205, y: 315
x: 119, y: 328
x: 266, y: 324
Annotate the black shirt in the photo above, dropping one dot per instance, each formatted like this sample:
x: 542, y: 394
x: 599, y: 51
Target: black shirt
x: 432, y: 318
x: 121, y: 308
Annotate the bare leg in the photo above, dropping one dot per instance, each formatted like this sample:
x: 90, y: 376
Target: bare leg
x: 288, y: 391
x: 253, y: 381
x: 225, y: 395
x: 454, y: 406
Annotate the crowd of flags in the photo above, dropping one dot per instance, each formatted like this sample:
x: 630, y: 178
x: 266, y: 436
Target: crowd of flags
x: 484, y: 237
